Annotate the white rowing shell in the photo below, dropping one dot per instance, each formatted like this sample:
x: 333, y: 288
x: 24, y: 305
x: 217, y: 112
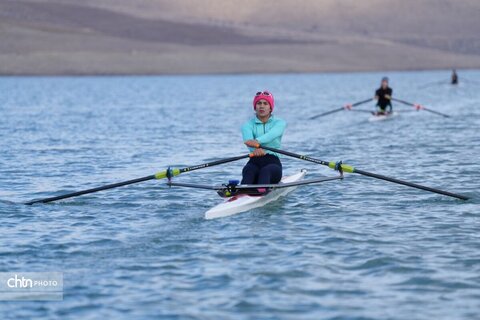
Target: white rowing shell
x: 245, y: 202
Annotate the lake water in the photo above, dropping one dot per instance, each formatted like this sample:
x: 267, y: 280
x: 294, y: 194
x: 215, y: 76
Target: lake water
x: 353, y: 249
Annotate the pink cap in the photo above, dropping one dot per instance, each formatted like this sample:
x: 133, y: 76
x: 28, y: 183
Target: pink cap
x: 266, y: 96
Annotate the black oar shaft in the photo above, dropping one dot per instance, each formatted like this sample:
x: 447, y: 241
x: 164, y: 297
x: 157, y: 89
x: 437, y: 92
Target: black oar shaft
x: 436, y: 112
x: 422, y: 107
x: 431, y: 84
x: 364, y: 111
x: 351, y: 169
x: 294, y: 155
x: 410, y: 184
x: 340, y: 109
x: 327, y: 113
x: 404, y: 102
x: 362, y: 102
x: 87, y: 191
x: 159, y: 175
x: 214, y: 163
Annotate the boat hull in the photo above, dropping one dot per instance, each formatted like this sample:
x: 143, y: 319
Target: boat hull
x: 242, y: 203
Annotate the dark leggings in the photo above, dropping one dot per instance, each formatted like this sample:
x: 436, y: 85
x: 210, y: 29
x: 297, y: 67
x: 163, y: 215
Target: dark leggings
x: 262, y: 170
x: 385, y: 108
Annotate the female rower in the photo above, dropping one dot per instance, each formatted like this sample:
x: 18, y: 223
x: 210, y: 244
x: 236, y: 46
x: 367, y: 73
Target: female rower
x: 263, y: 129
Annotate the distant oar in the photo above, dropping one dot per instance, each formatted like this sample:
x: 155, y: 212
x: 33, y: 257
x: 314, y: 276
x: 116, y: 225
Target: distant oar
x: 341, y: 108
x: 350, y: 169
x: 364, y: 111
x: 158, y: 175
x: 469, y: 80
x: 429, y: 84
x: 420, y: 107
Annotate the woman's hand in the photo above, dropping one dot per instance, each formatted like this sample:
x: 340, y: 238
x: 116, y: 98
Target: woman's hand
x: 252, y: 143
x: 258, y: 152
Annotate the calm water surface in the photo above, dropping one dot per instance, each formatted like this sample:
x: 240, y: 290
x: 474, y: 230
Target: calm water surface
x: 354, y: 249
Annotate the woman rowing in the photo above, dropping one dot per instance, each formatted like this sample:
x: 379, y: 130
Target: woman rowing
x: 263, y: 129
x: 383, y: 95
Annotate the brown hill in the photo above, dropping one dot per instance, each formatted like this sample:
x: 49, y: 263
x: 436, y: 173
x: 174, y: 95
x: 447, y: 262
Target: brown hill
x: 215, y: 36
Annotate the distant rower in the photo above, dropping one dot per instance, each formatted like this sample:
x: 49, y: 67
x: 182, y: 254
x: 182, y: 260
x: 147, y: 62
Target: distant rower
x: 383, y: 95
x: 454, y: 77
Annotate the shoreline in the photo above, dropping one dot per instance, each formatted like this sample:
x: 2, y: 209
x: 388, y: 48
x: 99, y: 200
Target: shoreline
x: 180, y: 74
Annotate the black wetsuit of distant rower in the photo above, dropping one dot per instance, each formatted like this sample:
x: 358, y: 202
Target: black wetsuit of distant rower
x: 454, y: 78
x: 383, y: 102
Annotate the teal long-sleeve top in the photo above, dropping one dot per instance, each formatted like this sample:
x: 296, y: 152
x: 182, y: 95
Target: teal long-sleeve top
x: 268, y: 134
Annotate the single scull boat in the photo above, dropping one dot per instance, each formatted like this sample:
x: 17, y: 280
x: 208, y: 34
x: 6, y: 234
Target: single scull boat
x: 241, y: 198
x: 244, y: 202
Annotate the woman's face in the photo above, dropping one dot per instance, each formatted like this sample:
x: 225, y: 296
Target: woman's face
x: 262, y: 108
